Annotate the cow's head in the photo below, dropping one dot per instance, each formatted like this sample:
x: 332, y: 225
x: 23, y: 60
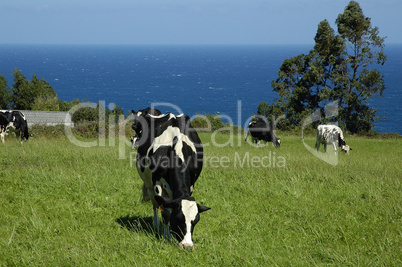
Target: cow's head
x: 185, y: 215
x: 346, y: 149
x: 278, y: 143
x: 24, y: 132
x: 139, y: 121
x: 136, y: 126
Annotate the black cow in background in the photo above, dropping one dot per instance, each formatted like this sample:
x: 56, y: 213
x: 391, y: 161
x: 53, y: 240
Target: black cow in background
x: 260, y: 130
x: 15, y: 120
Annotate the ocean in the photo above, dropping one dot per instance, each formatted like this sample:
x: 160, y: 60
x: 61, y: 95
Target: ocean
x: 227, y: 80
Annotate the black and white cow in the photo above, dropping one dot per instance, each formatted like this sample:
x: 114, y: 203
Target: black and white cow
x: 15, y: 120
x: 137, y: 126
x: 260, y: 130
x: 331, y: 134
x: 169, y: 161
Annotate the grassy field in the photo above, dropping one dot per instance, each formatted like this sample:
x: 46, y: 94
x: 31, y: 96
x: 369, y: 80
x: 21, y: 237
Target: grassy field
x: 61, y: 204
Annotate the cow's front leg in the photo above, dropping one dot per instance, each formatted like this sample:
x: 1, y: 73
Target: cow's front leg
x: 156, y: 220
x: 325, y: 147
x: 335, y: 147
x: 166, y: 228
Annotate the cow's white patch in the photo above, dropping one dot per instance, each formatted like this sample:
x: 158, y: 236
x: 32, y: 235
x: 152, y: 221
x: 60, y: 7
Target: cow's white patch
x: 190, y: 211
x: 166, y: 139
x: 11, y: 125
x: 158, y: 189
x: 171, y: 115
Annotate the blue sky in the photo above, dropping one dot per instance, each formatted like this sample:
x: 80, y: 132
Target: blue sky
x: 182, y: 21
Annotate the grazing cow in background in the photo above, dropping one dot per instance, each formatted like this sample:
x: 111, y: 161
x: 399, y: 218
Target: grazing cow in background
x: 169, y: 161
x: 15, y: 120
x: 331, y: 134
x: 260, y: 130
x: 137, y: 126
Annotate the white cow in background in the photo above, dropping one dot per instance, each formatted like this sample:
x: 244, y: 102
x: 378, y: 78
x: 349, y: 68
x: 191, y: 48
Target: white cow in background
x: 331, y: 134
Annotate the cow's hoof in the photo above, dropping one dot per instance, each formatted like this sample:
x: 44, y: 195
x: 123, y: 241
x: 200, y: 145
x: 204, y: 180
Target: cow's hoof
x: 187, y: 247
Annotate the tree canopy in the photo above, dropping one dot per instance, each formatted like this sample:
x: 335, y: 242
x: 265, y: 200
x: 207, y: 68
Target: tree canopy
x: 340, y: 67
x: 38, y: 94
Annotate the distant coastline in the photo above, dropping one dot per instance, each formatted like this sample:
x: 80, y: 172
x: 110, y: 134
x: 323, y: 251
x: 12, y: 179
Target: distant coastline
x: 198, y: 79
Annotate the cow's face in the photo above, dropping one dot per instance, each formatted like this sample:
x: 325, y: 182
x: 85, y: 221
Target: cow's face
x: 185, y: 215
x: 136, y: 126
x: 140, y: 125
x: 346, y: 149
x: 278, y: 143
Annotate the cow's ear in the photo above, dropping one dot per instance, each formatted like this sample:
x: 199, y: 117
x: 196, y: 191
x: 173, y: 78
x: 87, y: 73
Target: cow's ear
x: 202, y: 208
x: 132, y: 112
x: 350, y: 148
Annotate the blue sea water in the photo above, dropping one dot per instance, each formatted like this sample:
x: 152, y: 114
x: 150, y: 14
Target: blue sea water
x: 228, y: 80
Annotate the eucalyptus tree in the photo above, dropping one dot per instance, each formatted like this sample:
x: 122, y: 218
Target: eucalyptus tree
x: 357, y: 77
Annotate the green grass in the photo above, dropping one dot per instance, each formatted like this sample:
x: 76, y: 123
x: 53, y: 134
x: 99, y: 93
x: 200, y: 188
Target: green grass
x: 65, y: 205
